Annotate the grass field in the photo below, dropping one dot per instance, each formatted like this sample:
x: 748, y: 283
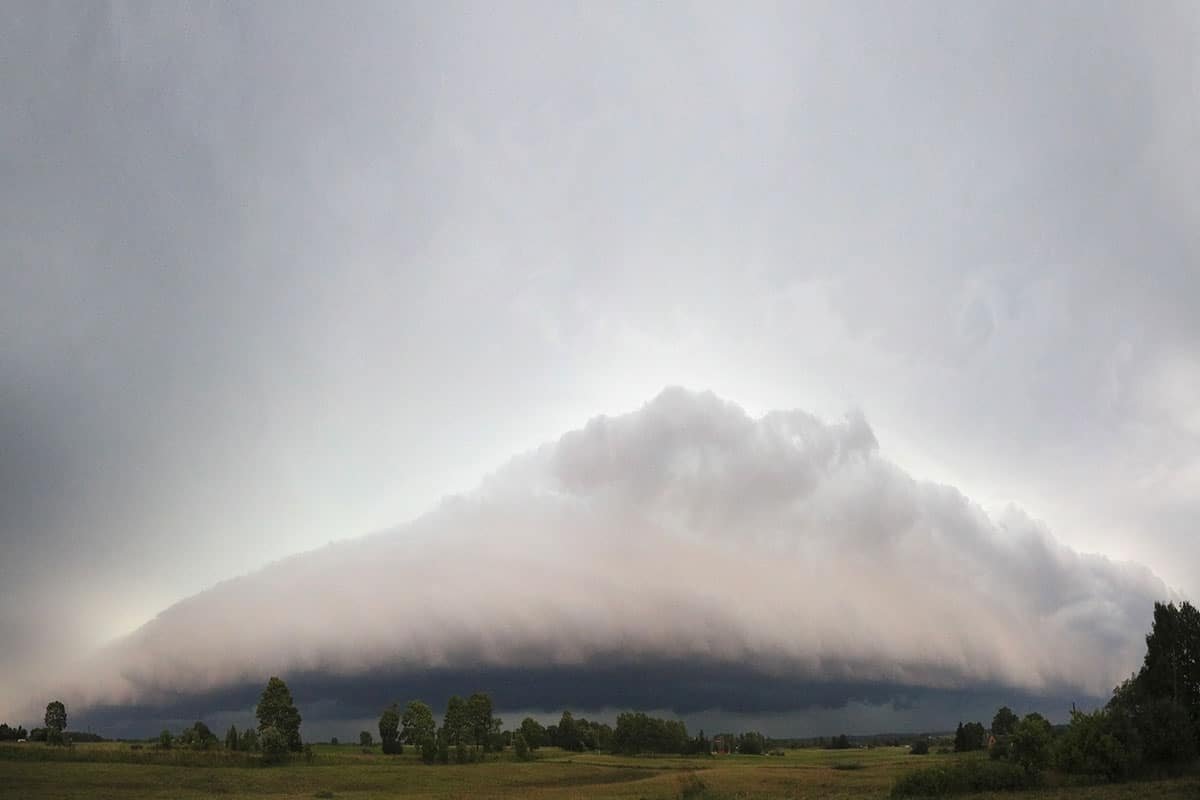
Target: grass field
x: 113, y: 770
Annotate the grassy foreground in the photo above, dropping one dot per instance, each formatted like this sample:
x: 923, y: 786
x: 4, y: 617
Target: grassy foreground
x: 113, y: 770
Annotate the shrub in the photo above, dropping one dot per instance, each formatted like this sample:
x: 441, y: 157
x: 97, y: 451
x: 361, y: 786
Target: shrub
x: 975, y: 775
x: 920, y: 747
x: 1029, y: 747
x: 274, y: 746
x: 1103, y: 743
x: 429, y: 750
x: 521, y: 747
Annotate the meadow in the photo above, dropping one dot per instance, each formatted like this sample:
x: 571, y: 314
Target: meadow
x: 115, y: 770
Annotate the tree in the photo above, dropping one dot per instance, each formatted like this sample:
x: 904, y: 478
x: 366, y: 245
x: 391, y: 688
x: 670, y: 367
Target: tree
x: 274, y: 745
x: 443, y: 746
x: 969, y: 737
x: 199, y: 736
x: 164, y: 740
x: 56, y: 716
x: 389, y: 731
x: 454, y: 723
x: 1005, y: 721
x: 533, y: 732
x: 479, y: 719
x: 521, y: 747
x: 249, y: 740
x: 231, y: 738
x: 334, y: 741
x: 429, y: 750
x: 12, y: 734
x: 417, y: 724
x: 1102, y: 743
x: 276, y: 710
x: 366, y: 739
x: 1030, y: 745
x: 1167, y: 688
x: 638, y: 733
x: 752, y: 744
x: 568, y: 733
x: 920, y: 747
x: 1166, y: 733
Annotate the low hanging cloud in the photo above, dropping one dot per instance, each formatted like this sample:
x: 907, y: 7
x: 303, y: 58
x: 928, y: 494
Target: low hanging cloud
x: 662, y: 552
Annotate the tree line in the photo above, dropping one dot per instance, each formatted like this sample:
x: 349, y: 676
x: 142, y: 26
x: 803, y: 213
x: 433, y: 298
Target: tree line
x: 1150, y: 726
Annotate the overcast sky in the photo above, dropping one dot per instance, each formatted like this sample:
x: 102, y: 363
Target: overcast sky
x: 275, y: 276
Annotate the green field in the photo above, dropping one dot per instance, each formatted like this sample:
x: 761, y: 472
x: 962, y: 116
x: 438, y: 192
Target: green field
x: 113, y: 770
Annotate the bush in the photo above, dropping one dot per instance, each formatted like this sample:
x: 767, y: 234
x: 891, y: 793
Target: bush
x: 1103, y: 743
x: 1029, y: 747
x: 920, y: 747
x: 975, y: 775
x: 521, y: 747
x: 274, y: 746
x: 429, y: 750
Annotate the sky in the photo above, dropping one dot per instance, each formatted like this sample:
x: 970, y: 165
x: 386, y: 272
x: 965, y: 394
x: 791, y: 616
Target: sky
x: 273, y: 279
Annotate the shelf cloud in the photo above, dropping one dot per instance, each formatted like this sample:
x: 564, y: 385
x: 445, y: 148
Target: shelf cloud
x: 676, y: 555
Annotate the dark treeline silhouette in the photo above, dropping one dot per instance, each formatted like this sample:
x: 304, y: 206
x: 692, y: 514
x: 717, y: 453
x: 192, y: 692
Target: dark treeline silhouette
x: 8, y: 734
x: 1150, y: 726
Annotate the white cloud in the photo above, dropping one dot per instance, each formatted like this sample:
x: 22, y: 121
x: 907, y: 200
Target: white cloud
x: 686, y: 529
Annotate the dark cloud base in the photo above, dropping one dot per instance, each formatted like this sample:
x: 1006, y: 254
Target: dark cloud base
x: 673, y: 686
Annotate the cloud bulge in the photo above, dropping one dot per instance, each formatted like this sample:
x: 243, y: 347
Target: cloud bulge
x: 661, y: 550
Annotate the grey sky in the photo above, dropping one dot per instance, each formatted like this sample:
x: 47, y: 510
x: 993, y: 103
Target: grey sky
x: 273, y: 277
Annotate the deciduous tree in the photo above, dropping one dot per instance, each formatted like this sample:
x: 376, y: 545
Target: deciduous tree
x: 276, y: 710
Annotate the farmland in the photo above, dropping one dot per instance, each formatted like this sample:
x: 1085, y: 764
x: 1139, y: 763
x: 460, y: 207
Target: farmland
x: 115, y: 770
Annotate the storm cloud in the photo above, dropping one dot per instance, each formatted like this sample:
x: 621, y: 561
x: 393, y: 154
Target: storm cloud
x: 272, y: 277
x: 669, y: 558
